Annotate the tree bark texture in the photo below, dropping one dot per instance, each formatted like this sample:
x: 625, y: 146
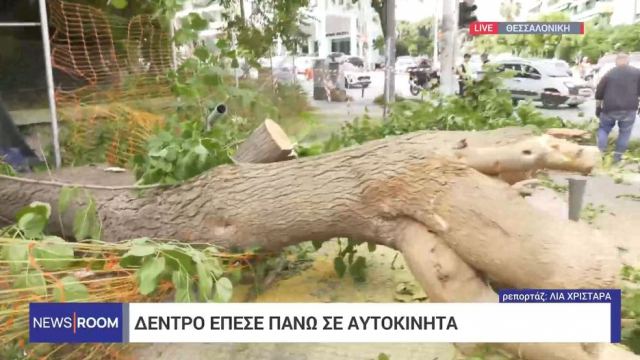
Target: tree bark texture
x: 419, y: 193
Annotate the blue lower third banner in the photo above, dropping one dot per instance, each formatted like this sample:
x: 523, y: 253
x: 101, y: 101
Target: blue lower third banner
x: 552, y: 316
x: 78, y: 322
x: 613, y: 297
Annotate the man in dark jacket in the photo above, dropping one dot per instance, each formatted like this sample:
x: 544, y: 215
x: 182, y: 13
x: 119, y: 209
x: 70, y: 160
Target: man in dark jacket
x: 13, y: 148
x: 617, y: 103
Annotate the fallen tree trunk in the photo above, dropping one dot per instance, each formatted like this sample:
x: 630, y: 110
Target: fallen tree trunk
x: 417, y: 193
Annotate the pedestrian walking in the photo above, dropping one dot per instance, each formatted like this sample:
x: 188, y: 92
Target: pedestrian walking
x: 617, y: 103
x: 464, y: 73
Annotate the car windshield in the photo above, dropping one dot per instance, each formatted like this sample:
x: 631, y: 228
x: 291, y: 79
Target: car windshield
x: 356, y: 61
x: 553, y: 69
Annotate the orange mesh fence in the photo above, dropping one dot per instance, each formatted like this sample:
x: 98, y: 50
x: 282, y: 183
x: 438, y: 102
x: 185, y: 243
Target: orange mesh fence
x: 121, y: 63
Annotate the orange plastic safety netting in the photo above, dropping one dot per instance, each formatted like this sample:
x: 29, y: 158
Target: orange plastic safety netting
x: 119, y: 66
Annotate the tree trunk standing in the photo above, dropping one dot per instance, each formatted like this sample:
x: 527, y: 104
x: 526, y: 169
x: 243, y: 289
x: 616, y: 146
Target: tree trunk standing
x: 390, y: 51
x: 449, y: 46
x: 455, y: 226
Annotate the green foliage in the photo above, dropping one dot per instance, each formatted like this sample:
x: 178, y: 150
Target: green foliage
x: 631, y: 309
x: 196, y: 274
x: 484, y: 106
x: 346, y: 260
x: 72, y: 290
x: 184, y: 150
x: 6, y: 169
x: 590, y: 212
x: 415, y: 38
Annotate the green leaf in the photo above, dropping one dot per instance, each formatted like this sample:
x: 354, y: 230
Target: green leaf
x: 339, y: 266
x: 235, y: 275
x: 86, y: 223
x: 53, y: 253
x: 148, y: 274
x: 197, y: 22
x: 178, y: 259
x: 140, y: 241
x: 182, y: 283
x: 224, y: 290
x: 317, y: 244
x: 33, y: 219
x: 383, y: 356
x: 32, y: 280
x: 17, y: 255
x: 66, y: 196
x: 202, y: 53
x: 213, y: 266
x: 205, y: 281
x: 119, y: 4
x: 202, y: 152
x: 357, y: 269
x: 140, y: 250
x: 72, y: 290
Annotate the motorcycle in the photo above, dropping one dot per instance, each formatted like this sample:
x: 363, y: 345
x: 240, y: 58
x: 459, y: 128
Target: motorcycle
x: 421, y: 78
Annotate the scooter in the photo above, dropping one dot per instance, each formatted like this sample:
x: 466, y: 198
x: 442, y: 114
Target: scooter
x: 421, y: 78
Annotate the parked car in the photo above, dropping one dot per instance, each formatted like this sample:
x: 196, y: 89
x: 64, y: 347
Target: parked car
x: 336, y: 57
x: 355, y: 74
x: 540, y: 80
x: 403, y: 63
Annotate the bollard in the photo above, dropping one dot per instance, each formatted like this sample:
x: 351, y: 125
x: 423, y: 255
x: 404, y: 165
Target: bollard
x: 576, y: 195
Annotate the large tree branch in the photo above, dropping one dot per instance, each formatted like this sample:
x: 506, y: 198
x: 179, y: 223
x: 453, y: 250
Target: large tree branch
x: 419, y: 193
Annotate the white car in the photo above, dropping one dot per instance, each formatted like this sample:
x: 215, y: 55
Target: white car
x: 542, y: 80
x: 354, y: 73
x: 403, y: 63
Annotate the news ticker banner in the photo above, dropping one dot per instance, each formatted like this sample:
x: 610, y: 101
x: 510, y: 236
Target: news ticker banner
x: 549, y: 316
x: 534, y: 27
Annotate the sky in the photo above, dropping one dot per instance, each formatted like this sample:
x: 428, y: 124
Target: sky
x: 416, y: 10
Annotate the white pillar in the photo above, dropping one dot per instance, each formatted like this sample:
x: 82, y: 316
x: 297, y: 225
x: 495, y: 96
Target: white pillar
x: 449, y: 45
x: 353, y: 36
x: 44, y: 25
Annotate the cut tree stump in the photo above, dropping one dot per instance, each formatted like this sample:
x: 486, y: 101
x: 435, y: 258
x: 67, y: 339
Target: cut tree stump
x: 420, y: 193
x: 266, y: 144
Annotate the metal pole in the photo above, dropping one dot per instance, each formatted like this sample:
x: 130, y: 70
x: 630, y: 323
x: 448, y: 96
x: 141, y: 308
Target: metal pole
x: 436, y: 29
x: 50, y: 87
x: 448, y: 56
x: 576, y: 195
x: 389, y: 77
x: 19, y: 24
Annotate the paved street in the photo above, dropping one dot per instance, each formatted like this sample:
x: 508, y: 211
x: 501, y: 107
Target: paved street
x: 334, y: 114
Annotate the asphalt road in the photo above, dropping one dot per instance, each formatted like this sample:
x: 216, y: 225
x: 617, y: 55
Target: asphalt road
x: 336, y: 113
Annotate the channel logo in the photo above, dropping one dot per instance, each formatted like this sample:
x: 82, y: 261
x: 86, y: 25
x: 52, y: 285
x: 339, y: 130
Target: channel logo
x: 78, y: 322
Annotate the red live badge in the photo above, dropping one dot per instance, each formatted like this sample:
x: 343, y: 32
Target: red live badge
x: 483, y: 28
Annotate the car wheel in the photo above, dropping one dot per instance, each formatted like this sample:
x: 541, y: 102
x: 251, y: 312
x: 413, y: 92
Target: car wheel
x: 573, y: 106
x: 414, y: 90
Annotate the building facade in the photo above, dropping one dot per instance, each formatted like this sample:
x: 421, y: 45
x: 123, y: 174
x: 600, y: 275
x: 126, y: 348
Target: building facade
x: 342, y: 26
x: 333, y: 26
x: 614, y: 12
